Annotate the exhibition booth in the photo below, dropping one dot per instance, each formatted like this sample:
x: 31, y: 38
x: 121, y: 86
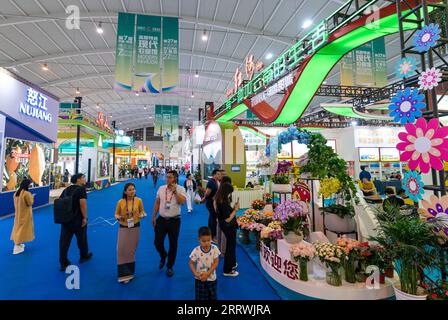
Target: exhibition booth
x: 28, y: 130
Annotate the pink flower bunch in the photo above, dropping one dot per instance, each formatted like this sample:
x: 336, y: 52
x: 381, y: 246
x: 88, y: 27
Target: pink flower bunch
x: 252, y: 214
x: 290, y: 209
x: 302, y: 250
x: 255, y: 226
x: 348, y: 245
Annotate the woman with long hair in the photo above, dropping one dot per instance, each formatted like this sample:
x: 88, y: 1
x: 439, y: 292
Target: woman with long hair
x: 129, y: 212
x: 221, y: 237
x: 23, y: 230
x: 227, y: 223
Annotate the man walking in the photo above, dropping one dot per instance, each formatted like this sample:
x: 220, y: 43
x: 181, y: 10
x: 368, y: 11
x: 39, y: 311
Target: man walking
x: 168, y: 201
x: 78, y: 225
x: 155, y: 176
x: 211, y: 188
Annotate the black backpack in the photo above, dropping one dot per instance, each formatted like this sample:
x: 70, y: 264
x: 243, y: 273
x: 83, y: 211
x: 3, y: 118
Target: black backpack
x: 63, y: 208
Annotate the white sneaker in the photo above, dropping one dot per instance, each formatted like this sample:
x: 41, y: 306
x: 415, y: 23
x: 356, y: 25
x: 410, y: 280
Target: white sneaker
x: 232, y: 274
x: 22, y: 245
x: 18, y: 249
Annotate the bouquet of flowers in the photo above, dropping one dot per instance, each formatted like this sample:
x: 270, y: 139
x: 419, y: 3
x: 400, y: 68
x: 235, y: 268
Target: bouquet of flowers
x: 258, y: 204
x: 277, y: 225
x: 332, y: 255
x: 255, y: 227
x: 329, y: 186
x: 267, y: 197
x: 252, y: 214
x: 302, y: 251
x: 370, y: 254
x: 293, y: 215
x: 244, y: 222
x: 351, y: 251
x: 284, y: 167
x: 269, y: 234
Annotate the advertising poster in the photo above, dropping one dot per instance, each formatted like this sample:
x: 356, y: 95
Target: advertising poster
x: 365, y: 66
x: 369, y: 155
x: 125, y: 52
x: 146, y: 45
x: 25, y: 159
x: 389, y: 154
x: 103, y: 164
x: 170, y: 54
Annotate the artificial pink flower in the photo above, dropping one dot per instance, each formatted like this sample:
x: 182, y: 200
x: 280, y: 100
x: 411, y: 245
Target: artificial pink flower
x: 424, y: 145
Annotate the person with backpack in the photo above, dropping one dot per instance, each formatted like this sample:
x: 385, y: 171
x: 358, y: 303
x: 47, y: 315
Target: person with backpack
x: 71, y: 213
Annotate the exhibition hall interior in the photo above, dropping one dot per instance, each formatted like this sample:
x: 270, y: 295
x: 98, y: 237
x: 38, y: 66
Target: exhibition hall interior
x: 224, y: 150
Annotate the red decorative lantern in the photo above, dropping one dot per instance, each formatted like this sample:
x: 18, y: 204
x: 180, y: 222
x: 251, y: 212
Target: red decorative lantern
x: 301, y: 191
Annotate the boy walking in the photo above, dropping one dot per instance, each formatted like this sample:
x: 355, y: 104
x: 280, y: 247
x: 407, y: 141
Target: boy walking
x: 206, y: 258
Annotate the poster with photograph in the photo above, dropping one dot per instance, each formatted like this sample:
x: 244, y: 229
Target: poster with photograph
x: 25, y: 159
x: 103, y: 164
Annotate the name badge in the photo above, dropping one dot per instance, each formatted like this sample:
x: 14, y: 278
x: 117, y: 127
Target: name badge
x: 167, y: 205
x: 131, y: 223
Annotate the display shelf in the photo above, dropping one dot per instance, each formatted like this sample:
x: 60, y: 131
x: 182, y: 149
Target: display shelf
x: 280, y: 268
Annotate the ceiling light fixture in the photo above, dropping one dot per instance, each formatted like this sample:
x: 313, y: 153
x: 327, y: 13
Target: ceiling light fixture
x: 197, y: 74
x: 144, y: 107
x: 354, y: 123
x: 307, y: 24
x: 97, y: 105
x: 204, y: 36
x: 137, y: 94
x: 99, y: 28
x: 45, y: 67
x: 77, y: 91
x: 269, y: 56
x: 189, y: 109
x: 192, y: 94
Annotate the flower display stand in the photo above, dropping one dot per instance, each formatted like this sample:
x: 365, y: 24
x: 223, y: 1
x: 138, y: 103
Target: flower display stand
x: 280, y: 267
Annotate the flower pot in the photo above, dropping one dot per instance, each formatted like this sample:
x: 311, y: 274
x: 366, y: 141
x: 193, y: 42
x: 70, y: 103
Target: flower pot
x: 257, y: 240
x: 400, y: 295
x: 244, y: 236
x: 334, y: 278
x: 284, y: 188
x: 360, y: 277
x: 334, y: 223
x: 349, y: 271
x: 273, y: 246
x: 292, y: 237
x: 389, y: 272
x: 303, y: 264
x: 319, y: 270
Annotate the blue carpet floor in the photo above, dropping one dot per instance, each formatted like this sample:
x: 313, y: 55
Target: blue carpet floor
x: 35, y: 273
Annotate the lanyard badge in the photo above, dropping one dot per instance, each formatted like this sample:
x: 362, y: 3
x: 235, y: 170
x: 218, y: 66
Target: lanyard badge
x: 168, y: 202
x: 130, y: 215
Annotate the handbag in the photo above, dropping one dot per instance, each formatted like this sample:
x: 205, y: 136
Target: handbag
x: 197, y: 198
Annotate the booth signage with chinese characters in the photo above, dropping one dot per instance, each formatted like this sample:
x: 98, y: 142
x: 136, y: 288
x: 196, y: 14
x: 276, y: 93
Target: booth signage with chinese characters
x: 369, y: 154
x: 29, y: 106
x: 377, y: 137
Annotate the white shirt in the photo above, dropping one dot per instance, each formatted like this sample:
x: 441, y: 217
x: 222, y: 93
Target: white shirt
x: 204, y: 260
x: 167, y: 196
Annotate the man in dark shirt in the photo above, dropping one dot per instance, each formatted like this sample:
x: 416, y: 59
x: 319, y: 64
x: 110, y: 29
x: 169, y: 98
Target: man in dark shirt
x: 210, y: 191
x: 364, y: 174
x: 78, y: 225
x: 392, y: 199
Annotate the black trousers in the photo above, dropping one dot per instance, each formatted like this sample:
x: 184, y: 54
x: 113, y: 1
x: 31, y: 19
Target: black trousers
x: 212, y: 219
x: 154, y: 180
x: 172, y: 228
x: 230, y: 255
x: 67, y: 232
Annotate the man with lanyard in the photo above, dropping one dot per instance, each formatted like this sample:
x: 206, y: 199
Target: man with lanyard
x: 211, y: 188
x: 168, y: 201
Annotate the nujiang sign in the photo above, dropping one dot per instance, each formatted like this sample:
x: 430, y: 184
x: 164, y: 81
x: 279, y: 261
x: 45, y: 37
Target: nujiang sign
x: 35, y: 106
x: 284, y: 64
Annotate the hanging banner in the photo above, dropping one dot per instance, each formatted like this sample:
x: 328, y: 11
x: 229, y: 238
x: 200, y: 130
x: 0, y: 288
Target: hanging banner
x: 365, y: 66
x: 158, y: 121
x: 124, y: 55
x: 146, y: 45
x: 170, y: 54
x: 174, y: 123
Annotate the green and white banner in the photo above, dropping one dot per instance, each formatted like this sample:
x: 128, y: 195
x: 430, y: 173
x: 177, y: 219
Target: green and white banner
x: 147, y: 56
x: 365, y: 66
x: 167, y: 122
x: 158, y: 121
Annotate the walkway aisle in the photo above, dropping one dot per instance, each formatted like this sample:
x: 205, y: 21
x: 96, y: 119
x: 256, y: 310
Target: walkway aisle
x: 35, y: 273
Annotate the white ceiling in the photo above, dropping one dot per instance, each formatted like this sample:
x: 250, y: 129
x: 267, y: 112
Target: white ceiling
x: 33, y: 32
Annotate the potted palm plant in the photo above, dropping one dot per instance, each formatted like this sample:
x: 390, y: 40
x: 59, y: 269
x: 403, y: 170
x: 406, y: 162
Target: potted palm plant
x: 411, y: 244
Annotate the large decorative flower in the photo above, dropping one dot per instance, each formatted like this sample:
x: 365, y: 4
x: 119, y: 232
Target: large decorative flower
x: 429, y: 79
x: 427, y: 37
x: 406, y: 67
x: 406, y: 105
x: 424, y: 145
x: 436, y: 208
x: 413, y: 185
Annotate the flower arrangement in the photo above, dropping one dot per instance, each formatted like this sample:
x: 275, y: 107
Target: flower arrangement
x: 302, y: 252
x: 437, y: 290
x: 351, y: 251
x: 267, y: 197
x: 255, y: 227
x: 293, y: 216
x: 284, y: 167
x: 269, y: 234
x: 244, y: 222
x: 277, y: 225
x: 258, y: 204
x: 280, y: 179
x: 329, y: 186
x: 331, y: 255
x: 252, y: 214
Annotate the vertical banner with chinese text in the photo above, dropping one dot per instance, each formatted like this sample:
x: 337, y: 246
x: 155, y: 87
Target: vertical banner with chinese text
x: 124, y: 54
x: 170, y: 55
x: 158, y: 120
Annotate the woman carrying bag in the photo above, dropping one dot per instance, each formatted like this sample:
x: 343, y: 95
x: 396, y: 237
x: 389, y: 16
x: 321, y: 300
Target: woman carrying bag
x: 129, y: 212
x: 190, y: 186
x: 23, y: 230
x: 227, y: 223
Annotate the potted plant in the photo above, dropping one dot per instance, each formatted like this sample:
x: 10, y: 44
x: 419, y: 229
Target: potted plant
x: 340, y: 218
x: 256, y: 229
x: 269, y: 235
x: 302, y: 253
x: 281, y: 183
x: 351, y: 250
x: 293, y: 215
x: 258, y: 205
x: 243, y: 223
x: 371, y: 254
x: 332, y: 256
x: 410, y: 243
